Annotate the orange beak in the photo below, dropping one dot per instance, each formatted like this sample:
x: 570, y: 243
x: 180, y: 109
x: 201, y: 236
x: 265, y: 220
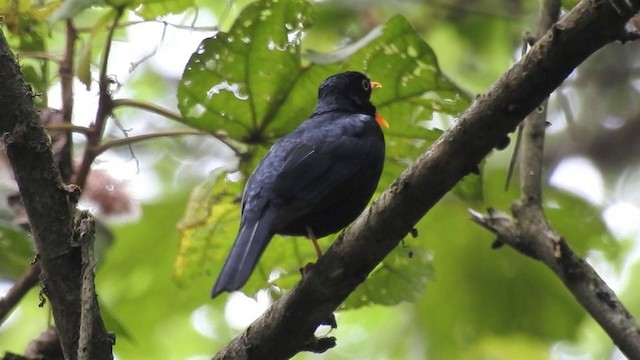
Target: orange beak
x: 379, y: 119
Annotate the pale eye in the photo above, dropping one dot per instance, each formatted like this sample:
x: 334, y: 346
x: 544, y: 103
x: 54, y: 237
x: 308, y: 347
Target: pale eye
x: 366, y: 85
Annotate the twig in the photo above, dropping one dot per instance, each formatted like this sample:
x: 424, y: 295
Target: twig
x: 70, y: 127
x: 151, y: 107
x: 108, y: 144
x: 40, y: 55
x: 105, y: 106
x: 535, y: 124
x: 165, y: 23
x: 19, y: 290
x: 144, y: 105
x: 66, y: 79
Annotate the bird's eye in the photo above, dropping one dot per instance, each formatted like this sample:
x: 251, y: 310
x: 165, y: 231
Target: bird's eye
x: 366, y: 85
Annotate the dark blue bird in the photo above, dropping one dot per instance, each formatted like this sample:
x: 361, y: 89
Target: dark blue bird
x: 314, y: 181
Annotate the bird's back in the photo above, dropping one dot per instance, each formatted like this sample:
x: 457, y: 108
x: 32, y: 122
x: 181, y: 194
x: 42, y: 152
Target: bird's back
x: 321, y: 175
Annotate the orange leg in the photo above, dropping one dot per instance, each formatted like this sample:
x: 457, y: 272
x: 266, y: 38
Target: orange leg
x: 331, y: 321
x: 314, y: 240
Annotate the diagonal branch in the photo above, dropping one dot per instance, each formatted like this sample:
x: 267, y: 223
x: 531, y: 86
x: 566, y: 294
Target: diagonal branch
x: 19, y: 290
x: 287, y: 326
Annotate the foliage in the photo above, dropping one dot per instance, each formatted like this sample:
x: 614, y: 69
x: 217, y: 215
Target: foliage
x: 444, y: 294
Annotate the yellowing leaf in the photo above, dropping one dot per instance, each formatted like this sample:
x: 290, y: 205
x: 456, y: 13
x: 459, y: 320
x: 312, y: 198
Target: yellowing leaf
x: 211, y: 215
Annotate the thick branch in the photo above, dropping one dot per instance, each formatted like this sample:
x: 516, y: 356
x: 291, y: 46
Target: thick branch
x: 287, y: 327
x: 49, y: 205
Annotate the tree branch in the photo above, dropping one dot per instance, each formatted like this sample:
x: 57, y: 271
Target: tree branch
x: 140, y: 104
x: 49, y: 205
x: 19, y: 290
x: 129, y: 140
x: 105, y: 106
x: 66, y: 80
x: 86, y: 231
x: 287, y: 326
x: 530, y: 233
x: 151, y: 107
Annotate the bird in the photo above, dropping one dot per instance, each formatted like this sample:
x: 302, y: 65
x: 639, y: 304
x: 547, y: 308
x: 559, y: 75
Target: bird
x: 313, y: 181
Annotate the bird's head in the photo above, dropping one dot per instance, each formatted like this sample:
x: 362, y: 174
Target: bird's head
x: 348, y: 91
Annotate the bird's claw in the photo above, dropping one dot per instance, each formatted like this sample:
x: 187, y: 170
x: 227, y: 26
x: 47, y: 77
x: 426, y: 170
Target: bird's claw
x: 331, y: 321
x: 307, y: 268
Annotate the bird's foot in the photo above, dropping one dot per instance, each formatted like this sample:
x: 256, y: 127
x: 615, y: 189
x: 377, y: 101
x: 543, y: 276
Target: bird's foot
x: 331, y: 321
x: 307, y: 268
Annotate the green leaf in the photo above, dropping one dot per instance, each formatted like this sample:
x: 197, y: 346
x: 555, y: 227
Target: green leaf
x: 569, y: 4
x: 212, y: 213
x: 251, y: 81
x: 402, y: 276
x: 135, y: 282
x: 413, y: 89
x: 83, y: 62
x: 83, y: 67
x: 15, y: 251
x: 238, y: 80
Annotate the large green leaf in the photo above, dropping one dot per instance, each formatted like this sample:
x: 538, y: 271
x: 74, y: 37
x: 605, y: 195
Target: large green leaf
x: 237, y: 80
x: 251, y: 81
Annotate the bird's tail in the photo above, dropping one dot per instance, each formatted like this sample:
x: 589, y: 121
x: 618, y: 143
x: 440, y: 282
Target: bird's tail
x: 252, y: 239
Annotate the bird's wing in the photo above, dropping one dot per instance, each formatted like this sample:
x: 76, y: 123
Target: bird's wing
x: 319, y: 162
